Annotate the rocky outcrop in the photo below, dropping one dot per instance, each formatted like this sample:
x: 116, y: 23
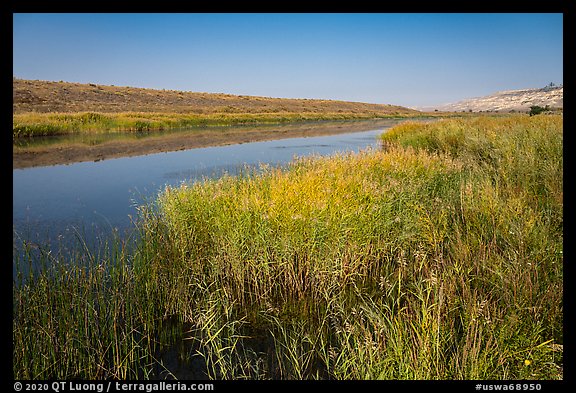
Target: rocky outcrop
x: 509, y: 101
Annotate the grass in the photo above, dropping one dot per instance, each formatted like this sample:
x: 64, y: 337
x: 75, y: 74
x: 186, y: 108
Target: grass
x: 437, y: 257
x: 45, y: 124
x: 65, y: 97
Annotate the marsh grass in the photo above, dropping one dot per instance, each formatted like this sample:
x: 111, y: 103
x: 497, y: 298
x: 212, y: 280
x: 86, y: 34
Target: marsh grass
x: 46, y: 124
x: 437, y: 257
x: 79, y: 316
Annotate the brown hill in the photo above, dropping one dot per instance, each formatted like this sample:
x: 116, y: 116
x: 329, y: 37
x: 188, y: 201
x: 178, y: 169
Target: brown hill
x: 46, y: 96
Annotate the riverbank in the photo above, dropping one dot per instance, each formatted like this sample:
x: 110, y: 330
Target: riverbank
x: 42, y: 108
x: 439, y: 257
x: 68, y: 150
x: 97, y: 146
x: 63, y: 122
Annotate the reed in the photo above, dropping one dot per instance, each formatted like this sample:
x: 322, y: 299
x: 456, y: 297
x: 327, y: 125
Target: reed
x: 45, y: 124
x: 446, y: 248
x: 437, y: 257
x: 76, y: 317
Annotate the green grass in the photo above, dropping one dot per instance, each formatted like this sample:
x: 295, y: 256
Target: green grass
x: 437, y: 257
x: 44, y: 124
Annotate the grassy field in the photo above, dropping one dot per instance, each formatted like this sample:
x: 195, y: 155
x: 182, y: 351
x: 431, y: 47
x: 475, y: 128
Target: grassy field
x: 439, y: 256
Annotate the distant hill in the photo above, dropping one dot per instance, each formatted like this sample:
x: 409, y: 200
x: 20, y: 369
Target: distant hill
x: 45, y: 97
x: 507, y: 101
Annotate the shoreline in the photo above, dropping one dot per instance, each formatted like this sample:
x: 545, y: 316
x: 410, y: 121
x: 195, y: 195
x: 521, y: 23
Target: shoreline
x: 73, y: 152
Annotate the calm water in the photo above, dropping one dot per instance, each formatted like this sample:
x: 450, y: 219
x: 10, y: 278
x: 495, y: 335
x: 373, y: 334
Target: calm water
x: 54, y: 204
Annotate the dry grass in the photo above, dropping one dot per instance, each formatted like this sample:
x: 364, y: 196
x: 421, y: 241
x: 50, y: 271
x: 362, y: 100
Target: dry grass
x: 65, y: 97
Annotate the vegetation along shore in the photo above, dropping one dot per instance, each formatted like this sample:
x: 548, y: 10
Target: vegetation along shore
x: 438, y: 256
x: 66, y: 149
x: 55, y: 108
x: 63, y: 122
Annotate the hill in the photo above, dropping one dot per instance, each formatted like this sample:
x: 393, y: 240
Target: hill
x: 508, y: 101
x: 49, y: 97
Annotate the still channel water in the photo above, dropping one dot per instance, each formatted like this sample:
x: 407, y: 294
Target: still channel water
x: 54, y: 206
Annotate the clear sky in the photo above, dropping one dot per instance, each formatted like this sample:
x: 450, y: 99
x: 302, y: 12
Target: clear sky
x: 402, y: 59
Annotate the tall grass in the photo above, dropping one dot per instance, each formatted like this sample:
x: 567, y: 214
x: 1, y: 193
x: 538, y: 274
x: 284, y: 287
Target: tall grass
x: 45, y: 124
x: 438, y: 257
x: 83, y: 316
x: 446, y: 249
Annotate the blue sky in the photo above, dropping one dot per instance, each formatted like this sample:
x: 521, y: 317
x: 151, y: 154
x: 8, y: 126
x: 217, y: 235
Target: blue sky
x: 402, y: 59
